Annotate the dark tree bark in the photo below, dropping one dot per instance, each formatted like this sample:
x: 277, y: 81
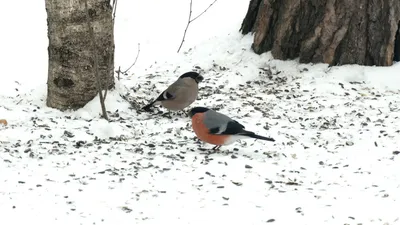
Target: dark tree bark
x: 397, y: 46
x: 71, y: 76
x: 336, y: 32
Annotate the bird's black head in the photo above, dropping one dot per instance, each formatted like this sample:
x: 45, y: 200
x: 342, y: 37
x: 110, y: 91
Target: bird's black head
x: 195, y: 76
x: 195, y: 110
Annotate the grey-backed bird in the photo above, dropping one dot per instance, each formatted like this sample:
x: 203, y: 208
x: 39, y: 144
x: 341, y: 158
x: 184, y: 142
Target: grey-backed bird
x: 179, y: 94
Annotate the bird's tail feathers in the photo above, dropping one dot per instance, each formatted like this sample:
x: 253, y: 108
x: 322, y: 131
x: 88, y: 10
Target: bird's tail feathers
x: 253, y: 135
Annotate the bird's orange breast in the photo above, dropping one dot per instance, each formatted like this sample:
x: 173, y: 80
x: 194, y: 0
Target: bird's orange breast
x: 202, y: 131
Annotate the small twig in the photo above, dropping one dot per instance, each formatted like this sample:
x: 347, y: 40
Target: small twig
x: 190, y: 20
x: 118, y: 72
x: 96, y: 61
x: 111, y: 71
x: 187, y: 26
x: 204, y: 11
x: 137, y: 56
x: 114, y: 6
x: 112, y: 75
x: 126, y: 71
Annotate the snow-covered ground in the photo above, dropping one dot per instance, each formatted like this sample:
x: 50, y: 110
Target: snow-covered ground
x: 336, y: 159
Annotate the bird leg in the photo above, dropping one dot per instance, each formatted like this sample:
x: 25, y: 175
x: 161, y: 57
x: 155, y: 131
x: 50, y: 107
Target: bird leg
x: 185, y: 112
x: 167, y: 115
x: 216, y: 147
x: 215, y: 150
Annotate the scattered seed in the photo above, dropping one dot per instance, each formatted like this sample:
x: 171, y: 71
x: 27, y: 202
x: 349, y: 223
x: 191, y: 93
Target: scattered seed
x: 237, y: 183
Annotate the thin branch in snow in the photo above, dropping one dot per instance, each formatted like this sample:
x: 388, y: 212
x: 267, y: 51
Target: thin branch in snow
x: 114, y: 12
x: 118, y: 72
x: 126, y: 71
x: 111, y: 71
x: 114, y: 8
x: 137, y: 56
x: 190, y: 20
x: 96, y: 61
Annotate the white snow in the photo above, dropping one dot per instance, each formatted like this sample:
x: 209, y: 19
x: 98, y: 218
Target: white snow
x: 336, y: 159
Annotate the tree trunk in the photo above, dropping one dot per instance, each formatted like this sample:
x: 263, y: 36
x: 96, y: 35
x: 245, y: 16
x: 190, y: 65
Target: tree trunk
x: 397, y: 45
x: 71, y: 76
x: 336, y: 32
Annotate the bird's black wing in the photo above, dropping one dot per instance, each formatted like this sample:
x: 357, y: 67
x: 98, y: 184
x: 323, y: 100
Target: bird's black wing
x: 233, y: 127
x: 164, y: 96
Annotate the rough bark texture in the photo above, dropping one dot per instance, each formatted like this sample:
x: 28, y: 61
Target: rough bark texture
x: 397, y: 46
x: 329, y: 31
x: 71, y: 79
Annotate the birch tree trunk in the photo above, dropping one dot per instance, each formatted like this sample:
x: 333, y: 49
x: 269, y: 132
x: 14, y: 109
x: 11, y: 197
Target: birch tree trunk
x: 71, y: 78
x: 336, y: 32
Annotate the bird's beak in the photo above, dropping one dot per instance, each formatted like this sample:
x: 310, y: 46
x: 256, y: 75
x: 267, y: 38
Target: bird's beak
x: 199, y: 78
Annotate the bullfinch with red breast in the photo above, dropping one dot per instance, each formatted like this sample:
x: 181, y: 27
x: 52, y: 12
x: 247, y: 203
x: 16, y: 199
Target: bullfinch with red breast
x: 179, y: 94
x: 218, y: 129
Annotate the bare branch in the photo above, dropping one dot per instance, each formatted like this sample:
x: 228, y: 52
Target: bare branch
x: 118, y: 72
x: 114, y: 11
x: 190, y: 20
x: 137, y: 56
x: 114, y: 6
x: 96, y: 61
x: 204, y: 11
x: 111, y: 71
x: 105, y: 92
x: 187, y: 25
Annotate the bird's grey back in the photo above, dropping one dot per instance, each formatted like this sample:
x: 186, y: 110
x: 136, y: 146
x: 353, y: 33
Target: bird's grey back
x: 184, y: 92
x: 175, y: 86
x: 185, y: 83
x: 214, y: 119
